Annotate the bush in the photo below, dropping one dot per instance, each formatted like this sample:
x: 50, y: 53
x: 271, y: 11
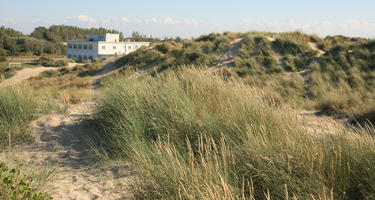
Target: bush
x: 48, y: 73
x: 3, y: 58
x: 90, y: 70
x: 163, y: 48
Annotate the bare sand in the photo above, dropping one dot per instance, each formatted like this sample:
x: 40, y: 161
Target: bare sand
x: 27, y: 73
x: 228, y: 57
x: 61, y: 141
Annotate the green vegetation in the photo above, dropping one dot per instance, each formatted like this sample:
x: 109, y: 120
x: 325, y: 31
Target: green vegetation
x: 343, y: 81
x: 255, y: 56
x: 14, y: 43
x: 286, y: 65
x: 192, y: 135
x: 205, y: 50
x: 62, y: 33
x: 18, y: 106
x: 15, y: 185
x: 48, y: 62
x: 191, y: 131
x: 43, y: 41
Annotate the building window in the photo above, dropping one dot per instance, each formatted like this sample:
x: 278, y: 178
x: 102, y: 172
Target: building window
x: 135, y: 46
x: 114, y: 47
x: 69, y: 56
x: 74, y: 46
x: 129, y: 47
x: 85, y: 46
x: 79, y: 46
x: 84, y: 57
x: 103, y: 47
x: 69, y: 46
x: 90, y: 46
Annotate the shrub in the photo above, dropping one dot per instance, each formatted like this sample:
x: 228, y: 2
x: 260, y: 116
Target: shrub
x: 3, y: 58
x: 90, y: 70
x: 48, y: 73
x: 163, y: 48
x: 14, y: 185
x: 288, y: 47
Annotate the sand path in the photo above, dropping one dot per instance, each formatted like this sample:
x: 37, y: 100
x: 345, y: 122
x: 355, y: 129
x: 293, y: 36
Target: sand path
x: 227, y: 60
x: 61, y: 142
x: 314, y: 46
x: 23, y: 74
x: 27, y: 73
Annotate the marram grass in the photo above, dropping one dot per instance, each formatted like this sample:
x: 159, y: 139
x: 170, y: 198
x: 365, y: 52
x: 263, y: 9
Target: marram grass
x: 192, y: 135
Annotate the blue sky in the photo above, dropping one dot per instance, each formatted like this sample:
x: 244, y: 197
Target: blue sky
x: 192, y: 18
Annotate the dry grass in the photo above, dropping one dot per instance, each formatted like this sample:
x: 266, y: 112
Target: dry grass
x: 191, y: 135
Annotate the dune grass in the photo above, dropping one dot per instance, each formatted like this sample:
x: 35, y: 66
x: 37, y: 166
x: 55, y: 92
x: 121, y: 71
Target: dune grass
x: 192, y: 135
x: 204, y: 50
x: 18, y: 106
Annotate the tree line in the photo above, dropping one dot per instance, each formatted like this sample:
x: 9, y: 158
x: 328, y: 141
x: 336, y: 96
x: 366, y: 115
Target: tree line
x: 51, y: 40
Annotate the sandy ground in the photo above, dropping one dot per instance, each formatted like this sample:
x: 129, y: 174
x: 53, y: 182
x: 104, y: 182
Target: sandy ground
x: 109, y: 67
x: 61, y: 142
x: 317, y: 125
x: 27, y: 73
x: 228, y: 57
x: 314, y: 46
x: 22, y: 75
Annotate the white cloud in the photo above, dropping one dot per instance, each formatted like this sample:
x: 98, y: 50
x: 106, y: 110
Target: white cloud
x: 9, y: 20
x: 82, y: 18
x: 358, y: 24
x: 124, y: 19
x: 153, y: 19
x: 166, y: 20
x: 247, y: 22
x: 85, y: 18
x: 41, y: 21
x: 170, y: 20
x: 192, y: 21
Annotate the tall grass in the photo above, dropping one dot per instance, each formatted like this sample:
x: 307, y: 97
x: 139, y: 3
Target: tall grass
x: 192, y: 135
x: 18, y: 106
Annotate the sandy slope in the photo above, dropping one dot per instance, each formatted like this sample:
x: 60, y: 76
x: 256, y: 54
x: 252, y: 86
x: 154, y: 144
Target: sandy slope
x: 27, y: 73
x: 228, y: 57
x: 314, y: 46
x: 22, y: 75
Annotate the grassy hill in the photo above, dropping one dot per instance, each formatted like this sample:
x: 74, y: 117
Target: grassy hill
x: 303, y: 70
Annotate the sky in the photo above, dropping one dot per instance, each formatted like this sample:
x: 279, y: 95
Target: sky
x: 171, y: 18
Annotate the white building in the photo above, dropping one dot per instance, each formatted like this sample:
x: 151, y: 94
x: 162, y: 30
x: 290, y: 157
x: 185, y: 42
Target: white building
x: 100, y: 45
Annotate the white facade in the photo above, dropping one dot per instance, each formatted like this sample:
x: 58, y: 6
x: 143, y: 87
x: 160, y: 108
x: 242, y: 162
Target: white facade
x: 100, y: 45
